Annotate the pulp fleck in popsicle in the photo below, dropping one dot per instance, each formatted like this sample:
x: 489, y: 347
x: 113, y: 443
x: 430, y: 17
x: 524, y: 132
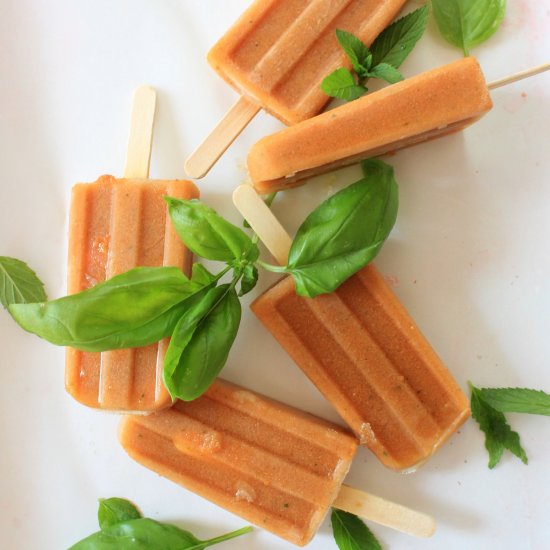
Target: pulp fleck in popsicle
x: 364, y: 352
x: 116, y: 225
x: 276, y: 56
x: 273, y: 465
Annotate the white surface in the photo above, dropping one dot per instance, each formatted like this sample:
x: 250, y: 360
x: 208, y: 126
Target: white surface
x: 469, y: 257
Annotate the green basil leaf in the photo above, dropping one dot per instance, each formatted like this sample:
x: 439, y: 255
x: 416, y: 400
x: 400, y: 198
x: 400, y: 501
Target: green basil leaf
x: 201, y: 276
x: 148, y: 534
x: 341, y: 84
x: 249, y: 279
x: 345, y: 232
x: 136, y: 308
x: 207, y: 234
x: 115, y: 510
x: 396, y: 42
x: 386, y: 72
x: 198, y: 308
x: 517, y: 400
x: 350, y: 533
x: 203, y: 346
x: 19, y: 284
x: 498, y: 434
x: 358, y: 53
x: 467, y: 23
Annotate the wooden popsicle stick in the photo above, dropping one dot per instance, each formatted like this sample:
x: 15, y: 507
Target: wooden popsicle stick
x: 140, y: 140
x: 199, y: 163
x: 263, y: 222
x: 519, y: 76
x: 384, y: 512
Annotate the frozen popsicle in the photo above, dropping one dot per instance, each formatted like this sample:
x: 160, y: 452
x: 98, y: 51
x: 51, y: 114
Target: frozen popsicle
x: 432, y: 104
x: 364, y: 352
x: 276, y: 56
x: 116, y: 225
x: 273, y: 465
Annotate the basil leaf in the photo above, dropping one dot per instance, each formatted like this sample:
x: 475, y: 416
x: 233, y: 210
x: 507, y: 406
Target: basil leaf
x: 198, y: 308
x: 115, y: 510
x: 358, y: 53
x: 207, y: 234
x: 396, y: 42
x: 202, y: 347
x: 249, y: 279
x: 201, y: 276
x: 467, y: 23
x: 345, y: 232
x: 386, y: 72
x: 350, y: 533
x: 148, y: 534
x: 517, y: 400
x: 136, y: 308
x: 19, y: 284
x: 498, y: 434
x: 341, y: 84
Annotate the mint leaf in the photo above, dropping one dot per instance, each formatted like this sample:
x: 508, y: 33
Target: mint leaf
x: 358, y: 53
x: 341, y: 84
x: 386, y: 72
x: 19, y: 284
x: 467, y: 23
x: 395, y: 43
x: 498, y: 434
x: 350, y: 533
x: 517, y: 400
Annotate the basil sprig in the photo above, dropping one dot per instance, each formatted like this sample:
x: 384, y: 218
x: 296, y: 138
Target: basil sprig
x: 381, y: 60
x: 344, y: 233
x: 122, y: 527
x: 201, y: 314
x: 467, y: 23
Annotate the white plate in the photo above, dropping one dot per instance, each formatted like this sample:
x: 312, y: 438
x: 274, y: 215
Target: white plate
x: 469, y: 258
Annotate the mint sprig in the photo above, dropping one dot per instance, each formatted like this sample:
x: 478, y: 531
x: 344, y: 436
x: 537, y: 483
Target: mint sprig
x: 381, y: 60
x: 499, y: 436
x: 19, y: 284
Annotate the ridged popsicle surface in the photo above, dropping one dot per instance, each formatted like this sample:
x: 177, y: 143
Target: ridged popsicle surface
x: 366, y: 355
x: 423, y: 107
x: 273, y: 465
x: 116, y: 225
x: 279, y: 51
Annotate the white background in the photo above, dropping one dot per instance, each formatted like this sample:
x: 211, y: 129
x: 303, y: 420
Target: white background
x: 469, y: 257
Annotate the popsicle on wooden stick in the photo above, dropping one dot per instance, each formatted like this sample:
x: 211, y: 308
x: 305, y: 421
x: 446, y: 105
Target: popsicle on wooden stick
x: 116, y: 225
x: 363, y: 351
x: 273, y: 465
x: 276, y: 56
x: 435, y: 103
x: 432, y: 104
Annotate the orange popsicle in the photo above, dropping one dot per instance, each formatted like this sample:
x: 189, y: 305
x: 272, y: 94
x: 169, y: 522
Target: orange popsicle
x: 426, y: 106
x: 273, y: 465
x: 116, y: 225
x: 364, y: 352
x: 279, y: 51
x: 277, y: 54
